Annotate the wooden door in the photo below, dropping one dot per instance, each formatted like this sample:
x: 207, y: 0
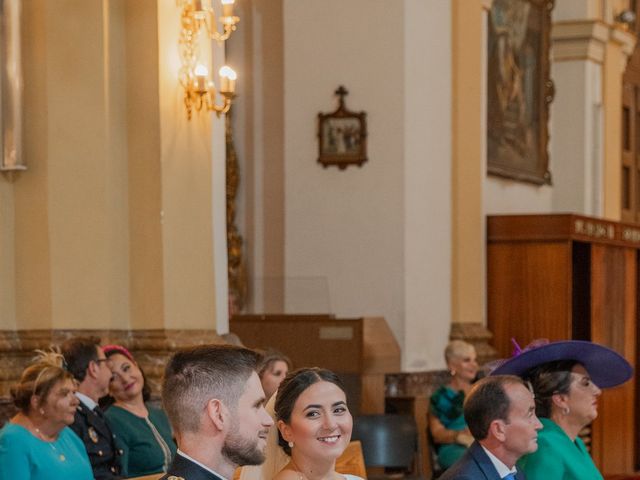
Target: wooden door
x: 529, y: 291
x: 613, y: 323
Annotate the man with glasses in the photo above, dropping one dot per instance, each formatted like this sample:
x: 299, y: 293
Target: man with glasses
x: 87, y: 363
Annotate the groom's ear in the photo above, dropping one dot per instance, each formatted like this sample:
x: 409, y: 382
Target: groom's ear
x: 217, y: 413
x: 285, y: 431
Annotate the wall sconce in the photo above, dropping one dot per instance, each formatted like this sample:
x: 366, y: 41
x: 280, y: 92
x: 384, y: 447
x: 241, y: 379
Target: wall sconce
x: 198, y: 19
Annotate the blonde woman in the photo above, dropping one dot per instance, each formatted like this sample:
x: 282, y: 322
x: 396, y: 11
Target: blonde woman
x: 37, y: 443
x: 446, y: 419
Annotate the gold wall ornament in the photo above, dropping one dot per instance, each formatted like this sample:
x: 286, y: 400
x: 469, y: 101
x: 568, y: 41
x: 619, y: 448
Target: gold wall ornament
x: 198, y: 22
x: 236, y: 269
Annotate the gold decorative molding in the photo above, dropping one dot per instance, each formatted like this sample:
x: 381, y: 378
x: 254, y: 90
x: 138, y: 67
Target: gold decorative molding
x: 579, y: 40
x: 236, y: 270
x: 625, y: 39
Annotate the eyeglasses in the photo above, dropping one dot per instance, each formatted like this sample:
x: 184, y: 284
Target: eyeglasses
x: 100, y: 360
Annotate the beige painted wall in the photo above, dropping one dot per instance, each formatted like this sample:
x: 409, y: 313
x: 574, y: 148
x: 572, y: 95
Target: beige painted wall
x: 112, y: 224
x: 468, y: 45
x: 257, y: 53
x: 340, y: 224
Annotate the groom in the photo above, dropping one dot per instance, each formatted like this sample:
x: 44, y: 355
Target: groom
x: 214, y: 399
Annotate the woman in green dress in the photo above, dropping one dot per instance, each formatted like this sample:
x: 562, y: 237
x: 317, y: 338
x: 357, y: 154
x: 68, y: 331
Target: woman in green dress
x: 566, y: 378
x: 141, y: 430
x: 446, y: 421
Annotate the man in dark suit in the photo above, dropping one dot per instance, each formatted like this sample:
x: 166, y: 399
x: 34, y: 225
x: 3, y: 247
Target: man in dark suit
x: 500, y: 412
x: 214, y: 399
x: 87, y: 363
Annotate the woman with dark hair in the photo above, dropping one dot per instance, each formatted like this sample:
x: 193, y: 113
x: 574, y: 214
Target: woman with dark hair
x: 566, y: 378
x: 142, y: 431
x: 314, y: 424
x: 37, y: 443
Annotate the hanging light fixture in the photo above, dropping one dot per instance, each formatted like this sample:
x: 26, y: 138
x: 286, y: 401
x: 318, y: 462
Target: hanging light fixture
x: 199, y: 24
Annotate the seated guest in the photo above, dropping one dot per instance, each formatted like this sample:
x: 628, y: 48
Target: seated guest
x: 314, y: 424
x: 273, y: 367
x: 500, y: 413
x: 446, y: 419
x: 37, y: 444
x: 88, y: 364
x: 142, y: 431
x: 566, y: 378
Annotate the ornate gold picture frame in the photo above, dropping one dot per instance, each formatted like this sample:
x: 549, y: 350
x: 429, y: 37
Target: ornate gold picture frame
x: 519, y: 90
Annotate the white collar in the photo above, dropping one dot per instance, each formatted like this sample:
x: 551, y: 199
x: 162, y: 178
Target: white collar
x: 86, y: 400
x: 180, y: 452
x: 501, y: 468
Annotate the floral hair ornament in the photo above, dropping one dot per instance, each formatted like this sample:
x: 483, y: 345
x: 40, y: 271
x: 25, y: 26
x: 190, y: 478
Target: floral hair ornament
x: 113, y: 349
x: 606, y: 367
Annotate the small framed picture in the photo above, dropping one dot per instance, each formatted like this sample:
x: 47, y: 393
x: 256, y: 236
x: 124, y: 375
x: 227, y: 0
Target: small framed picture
x: 342, y: 136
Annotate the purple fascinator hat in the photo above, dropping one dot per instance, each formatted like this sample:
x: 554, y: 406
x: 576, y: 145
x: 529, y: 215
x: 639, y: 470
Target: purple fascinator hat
x: 606, y: 367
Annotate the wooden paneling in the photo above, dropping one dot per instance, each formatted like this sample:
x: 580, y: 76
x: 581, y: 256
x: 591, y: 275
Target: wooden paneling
x: 529, y: 292
x: 570, y: 276
x: 613, y: 313
x: 308, y: 341
x: 360, y: 349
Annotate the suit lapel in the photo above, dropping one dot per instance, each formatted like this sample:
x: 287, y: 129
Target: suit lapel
x: 483, y: 462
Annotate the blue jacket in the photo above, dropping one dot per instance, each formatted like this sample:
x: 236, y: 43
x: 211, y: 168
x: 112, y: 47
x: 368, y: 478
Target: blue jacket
x: 474, y: 465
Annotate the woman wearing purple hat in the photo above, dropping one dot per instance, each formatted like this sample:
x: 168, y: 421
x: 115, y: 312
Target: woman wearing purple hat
x: 566, y: 378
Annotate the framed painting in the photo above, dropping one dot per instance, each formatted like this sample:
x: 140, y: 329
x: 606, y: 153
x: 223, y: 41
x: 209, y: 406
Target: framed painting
x: 520, y: 90
x: 342, y: 136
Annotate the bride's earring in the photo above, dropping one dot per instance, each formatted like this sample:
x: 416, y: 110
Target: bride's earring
x: 290, y: 444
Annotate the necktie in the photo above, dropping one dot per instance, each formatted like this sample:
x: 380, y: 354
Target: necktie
x: 509, y: 476
x: 99, y: 413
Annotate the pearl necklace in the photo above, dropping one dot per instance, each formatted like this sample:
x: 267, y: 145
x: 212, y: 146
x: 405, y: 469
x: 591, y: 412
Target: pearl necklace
x: 51, y: 444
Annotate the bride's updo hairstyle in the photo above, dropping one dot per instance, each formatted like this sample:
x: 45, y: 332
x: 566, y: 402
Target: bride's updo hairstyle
x: 46, y: 370
x: 292, y: 387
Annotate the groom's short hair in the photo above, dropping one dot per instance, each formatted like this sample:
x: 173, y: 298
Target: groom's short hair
x: 195, y: 375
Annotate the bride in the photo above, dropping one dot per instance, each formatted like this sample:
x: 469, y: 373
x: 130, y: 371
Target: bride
x: 314, y: 425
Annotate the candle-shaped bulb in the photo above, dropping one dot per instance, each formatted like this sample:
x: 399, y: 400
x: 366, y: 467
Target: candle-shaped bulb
x: 227, y: 8
x: 227, y: 79
x: 201, y: 74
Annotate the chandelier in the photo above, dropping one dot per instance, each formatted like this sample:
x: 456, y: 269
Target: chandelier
x: 199, y: 26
